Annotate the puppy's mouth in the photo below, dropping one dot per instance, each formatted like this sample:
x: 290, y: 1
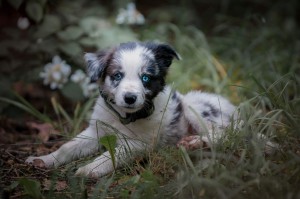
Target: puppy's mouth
x: 131, y: 108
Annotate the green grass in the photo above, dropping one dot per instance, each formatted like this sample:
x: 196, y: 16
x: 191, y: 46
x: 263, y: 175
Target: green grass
x: 257, y: 67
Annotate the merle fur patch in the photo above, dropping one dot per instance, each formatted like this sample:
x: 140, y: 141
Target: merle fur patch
x: 212, y: 112
x: 178, y: 110
x: 97, y: 63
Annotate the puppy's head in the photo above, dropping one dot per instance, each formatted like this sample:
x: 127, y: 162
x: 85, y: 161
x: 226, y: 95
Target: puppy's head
x: 131, y: 74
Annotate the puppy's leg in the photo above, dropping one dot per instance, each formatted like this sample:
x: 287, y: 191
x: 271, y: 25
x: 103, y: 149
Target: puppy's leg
x: 84, y: 144
x: 103, y: 165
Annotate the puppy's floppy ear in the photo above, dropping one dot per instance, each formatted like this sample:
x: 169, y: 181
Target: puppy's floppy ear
x: 96, y: 63
x: 166, y: 51
x: 164, y: 55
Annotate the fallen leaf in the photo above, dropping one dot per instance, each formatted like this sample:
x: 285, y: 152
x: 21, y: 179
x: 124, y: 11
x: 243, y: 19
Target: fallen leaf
x: 44, y: 130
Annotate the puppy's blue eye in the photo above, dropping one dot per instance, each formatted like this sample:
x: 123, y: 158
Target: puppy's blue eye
x: 118, y: 76
x: 145, y: 78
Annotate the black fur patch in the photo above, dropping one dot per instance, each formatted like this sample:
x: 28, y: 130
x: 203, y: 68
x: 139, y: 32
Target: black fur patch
x: 212, y: 111
x: 155, y: 85
x: 151, y: 68
x: 178, y: 110
x: 163, y: 54
x: 205, y: 114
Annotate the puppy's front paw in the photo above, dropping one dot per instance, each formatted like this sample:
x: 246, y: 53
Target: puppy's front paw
x: 87, y: 172
x: 42, y: 161
x: 36, y: 161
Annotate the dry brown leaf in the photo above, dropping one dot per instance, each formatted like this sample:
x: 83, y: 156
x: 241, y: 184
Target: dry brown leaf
x: 44, y: 130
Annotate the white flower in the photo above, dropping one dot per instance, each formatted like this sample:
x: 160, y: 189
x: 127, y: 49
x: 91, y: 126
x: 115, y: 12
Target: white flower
x: 83, y: 80
x: 56, y: 73
x: 130, y: 16
x: 88, y: 88
x: 23, y: 23
x: 78, y: 76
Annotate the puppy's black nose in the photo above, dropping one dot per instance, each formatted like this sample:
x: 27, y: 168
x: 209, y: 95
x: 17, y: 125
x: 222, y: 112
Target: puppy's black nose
x: 129, y: 98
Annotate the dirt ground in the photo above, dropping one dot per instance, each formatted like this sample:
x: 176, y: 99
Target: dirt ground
x: 18, y: 141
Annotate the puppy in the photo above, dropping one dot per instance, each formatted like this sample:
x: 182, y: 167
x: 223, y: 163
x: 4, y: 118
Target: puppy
x: 145, y: 113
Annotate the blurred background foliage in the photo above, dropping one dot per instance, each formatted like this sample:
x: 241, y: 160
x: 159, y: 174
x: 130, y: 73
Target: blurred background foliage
x: 222, y: 43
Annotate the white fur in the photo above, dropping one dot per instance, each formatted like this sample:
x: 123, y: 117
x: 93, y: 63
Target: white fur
x: 133, y: 60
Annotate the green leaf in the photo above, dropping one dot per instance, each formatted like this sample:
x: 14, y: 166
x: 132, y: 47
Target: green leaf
x: 13, y: 33
x: 72, y: 91
x: 71, y: 33
x: 26, y: 106
x: 187, y: 159
x: 34, y: 10
x: 115, y: 35
x: 110, y: 142
x: 71, y: 48
x: 19, y: 45
x: 51, y: 24
x: 90, y: 24
x: 31, y: 187
x: 81, y: 112
x: 48, y: 46
x: 87, y: 41
x: 58, y: 109
x: 13, y: 185
x: 15, y: 3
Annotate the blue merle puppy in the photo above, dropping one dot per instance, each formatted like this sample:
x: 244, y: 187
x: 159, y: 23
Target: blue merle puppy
x: 140, y: 109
